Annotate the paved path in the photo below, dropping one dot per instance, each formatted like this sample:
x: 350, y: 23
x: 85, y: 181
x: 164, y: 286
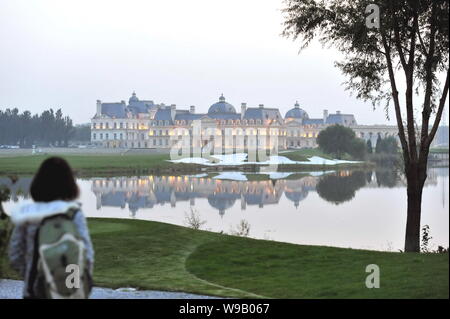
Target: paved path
x: 12, y: 289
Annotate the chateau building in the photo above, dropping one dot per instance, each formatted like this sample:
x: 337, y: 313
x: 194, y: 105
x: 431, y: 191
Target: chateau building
x: 144, y: 124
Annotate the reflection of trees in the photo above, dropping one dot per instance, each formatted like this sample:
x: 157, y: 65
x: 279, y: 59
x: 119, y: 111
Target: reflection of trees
x: 369, y: 176
x: 387, y: 178
x: 340, y: 188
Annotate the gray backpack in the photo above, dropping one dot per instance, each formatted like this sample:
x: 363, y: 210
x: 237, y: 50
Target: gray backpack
x: 59, y: 269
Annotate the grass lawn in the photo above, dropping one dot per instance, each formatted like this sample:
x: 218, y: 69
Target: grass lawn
x: 96, y: 164
x: 99, y: 165
x: 304, y: 154
x: 439, y: 150
x: 152, y: 255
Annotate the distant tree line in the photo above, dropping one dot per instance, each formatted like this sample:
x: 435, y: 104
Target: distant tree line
x: 49, y: 128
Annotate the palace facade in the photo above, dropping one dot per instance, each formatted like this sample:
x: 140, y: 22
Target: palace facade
x: 144, y: 124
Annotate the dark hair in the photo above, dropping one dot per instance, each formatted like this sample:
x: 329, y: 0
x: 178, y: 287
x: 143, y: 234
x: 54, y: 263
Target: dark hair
x: 54, y: 181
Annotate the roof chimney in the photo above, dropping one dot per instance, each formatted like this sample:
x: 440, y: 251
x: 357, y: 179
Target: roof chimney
x: 261, y: 106
x: 99, y: 108
x: 243, y: 109
x: 325, y: 116
x: 192, y: 109
x: 338, y: 112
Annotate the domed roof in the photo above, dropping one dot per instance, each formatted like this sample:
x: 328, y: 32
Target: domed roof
x: 297, y: 113
x: 221, y: 107
x: 222, y: 201
x: 133, y: 98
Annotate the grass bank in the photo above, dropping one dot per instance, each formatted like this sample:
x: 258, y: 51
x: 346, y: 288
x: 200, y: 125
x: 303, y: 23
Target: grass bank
x: 152, y: 255
x: 102, y: 165
x: 89, y: 165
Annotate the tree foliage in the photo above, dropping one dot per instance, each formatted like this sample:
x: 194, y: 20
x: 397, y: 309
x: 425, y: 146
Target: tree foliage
x: 387, y: 145
x: 25, y: 130
x: 369, y: 147
x: 338, y: 140
x: 411, y: 45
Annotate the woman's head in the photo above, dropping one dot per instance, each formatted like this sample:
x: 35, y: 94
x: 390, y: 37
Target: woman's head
x: 54, y: 181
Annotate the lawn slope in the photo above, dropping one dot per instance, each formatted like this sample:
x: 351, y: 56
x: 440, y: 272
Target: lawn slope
x: 152, y: 255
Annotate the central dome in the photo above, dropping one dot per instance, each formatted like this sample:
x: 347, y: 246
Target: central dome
x: 133, y: 98
x: 297, y: 113
x: 221, y: 107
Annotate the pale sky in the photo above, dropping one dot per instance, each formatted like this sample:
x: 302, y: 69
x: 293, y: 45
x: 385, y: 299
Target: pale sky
x: 68, y: 54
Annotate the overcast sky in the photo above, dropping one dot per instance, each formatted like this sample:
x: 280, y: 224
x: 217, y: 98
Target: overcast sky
x: 68, y: 54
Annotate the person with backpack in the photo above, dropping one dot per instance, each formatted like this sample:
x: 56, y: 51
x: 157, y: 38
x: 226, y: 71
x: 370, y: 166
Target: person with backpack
x: 50, y: 245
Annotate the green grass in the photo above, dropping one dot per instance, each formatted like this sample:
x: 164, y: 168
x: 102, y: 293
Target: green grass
x: 439, y: 150
x: 98, y: 164
x: 304, y: 154
x: 152, y: 255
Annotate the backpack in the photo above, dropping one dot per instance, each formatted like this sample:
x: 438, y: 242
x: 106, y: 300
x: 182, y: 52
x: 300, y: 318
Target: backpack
x: 58, y: 245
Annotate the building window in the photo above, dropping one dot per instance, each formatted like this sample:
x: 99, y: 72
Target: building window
x: 154, y: 142
x: 93, y: 136
x: 106, y: 136
x: 115, y: 136
x: 121, y: 137
x: 101, y: 136
x: 121, y: 125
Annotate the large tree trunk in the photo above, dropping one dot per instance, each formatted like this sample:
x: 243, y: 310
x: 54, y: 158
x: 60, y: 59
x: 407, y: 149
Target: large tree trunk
x: 415, y: 175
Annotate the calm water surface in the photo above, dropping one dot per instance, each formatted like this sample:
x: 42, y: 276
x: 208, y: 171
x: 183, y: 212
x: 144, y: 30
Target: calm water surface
x: 344, y: 209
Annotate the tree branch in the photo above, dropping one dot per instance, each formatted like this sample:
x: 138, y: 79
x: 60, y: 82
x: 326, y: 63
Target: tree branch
x: 426, y: 112
x: 398, y: 114
x: 437, y: 120
x: 409, y: 72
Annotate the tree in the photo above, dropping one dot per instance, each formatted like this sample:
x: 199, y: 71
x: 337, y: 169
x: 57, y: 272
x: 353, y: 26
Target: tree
x: 336, y: 140
x: 379, y: 146
x: 369, y: 147
x: 26, y: 130
x: 82, y: 133
x: 411, y: 44
x: 358, y: 149
x: 391, y: 145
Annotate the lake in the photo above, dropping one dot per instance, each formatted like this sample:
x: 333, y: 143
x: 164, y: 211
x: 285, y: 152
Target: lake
x: 357, y: 209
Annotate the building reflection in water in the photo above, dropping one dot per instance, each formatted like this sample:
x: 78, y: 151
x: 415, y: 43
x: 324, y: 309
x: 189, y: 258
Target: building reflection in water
x: 149, y: 191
